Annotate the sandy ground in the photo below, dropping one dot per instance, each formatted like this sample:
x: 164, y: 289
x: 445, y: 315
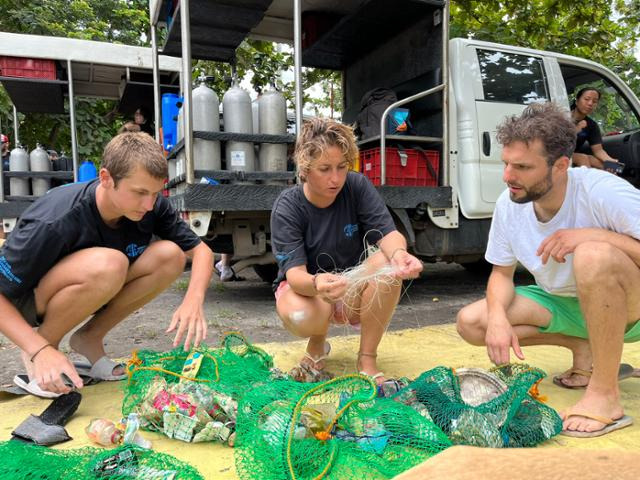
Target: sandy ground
x: 248, y: 306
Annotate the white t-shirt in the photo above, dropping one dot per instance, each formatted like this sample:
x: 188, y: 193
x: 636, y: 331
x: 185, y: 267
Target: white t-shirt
x: 594, y: 199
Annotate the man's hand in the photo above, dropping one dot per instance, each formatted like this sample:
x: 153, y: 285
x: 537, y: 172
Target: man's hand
x: 563, y: 242
x: 189, y: 317
x: 331, y: 287
x: 407, y: 266
x: 499, y: 338
x: 48, y: 367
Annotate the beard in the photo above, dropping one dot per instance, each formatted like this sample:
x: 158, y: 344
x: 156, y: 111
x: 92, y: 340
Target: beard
x: 534, y: 192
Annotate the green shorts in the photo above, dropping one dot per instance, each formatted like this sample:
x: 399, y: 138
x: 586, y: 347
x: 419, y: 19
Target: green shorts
x: 566, y: 316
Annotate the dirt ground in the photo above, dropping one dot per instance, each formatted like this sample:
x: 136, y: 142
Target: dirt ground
x: 248, y: 306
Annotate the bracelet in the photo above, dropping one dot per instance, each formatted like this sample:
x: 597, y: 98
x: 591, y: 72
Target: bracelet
x: 396, y: 251
x: 39, y: 350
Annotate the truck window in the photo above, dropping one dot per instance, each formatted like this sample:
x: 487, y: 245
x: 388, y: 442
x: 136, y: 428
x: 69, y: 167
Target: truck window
x: 512, y: 78
x: 614, y: 113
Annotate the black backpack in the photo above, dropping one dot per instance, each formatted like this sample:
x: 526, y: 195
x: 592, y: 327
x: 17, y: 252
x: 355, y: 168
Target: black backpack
x: 372, y: 106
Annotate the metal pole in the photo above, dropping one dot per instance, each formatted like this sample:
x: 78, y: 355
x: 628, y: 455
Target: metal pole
x: 445, y: 97
x: 72, y: 116
x: 185, y: 33
x: 16, y: 139
x: 156, y: 79
x: 297, y: 61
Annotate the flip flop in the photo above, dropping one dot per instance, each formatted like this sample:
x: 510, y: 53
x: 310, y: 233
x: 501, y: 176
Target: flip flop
x: 32, y: 387
x: 625, y: 371
x: 307, y: 373
x: 610, y: 425
x: 102, y: 370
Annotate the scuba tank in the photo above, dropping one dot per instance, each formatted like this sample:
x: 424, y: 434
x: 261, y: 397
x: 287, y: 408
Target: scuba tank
x: 18, y: 162
x: 237, y: 117
x: 39, y: 162
x: 206, y: 117
x: 273, y: 120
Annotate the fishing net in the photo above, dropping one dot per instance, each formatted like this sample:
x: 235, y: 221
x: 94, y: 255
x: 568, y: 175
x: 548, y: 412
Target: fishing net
x: 29, y: 462
x: 193, y: 396
x: 512, y: 418
x: 337, y: 429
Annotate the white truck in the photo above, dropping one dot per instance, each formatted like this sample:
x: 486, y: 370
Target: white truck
x: 458, y: 91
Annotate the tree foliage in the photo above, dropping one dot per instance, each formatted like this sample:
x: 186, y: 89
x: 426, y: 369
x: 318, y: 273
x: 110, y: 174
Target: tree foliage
x: 604, y: 31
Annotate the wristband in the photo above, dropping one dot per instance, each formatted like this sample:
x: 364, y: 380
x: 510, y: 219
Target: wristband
x: 39, y: 350
x: 396, y: 251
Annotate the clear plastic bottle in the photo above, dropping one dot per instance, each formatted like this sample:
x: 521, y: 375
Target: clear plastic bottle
x: 103, y: 432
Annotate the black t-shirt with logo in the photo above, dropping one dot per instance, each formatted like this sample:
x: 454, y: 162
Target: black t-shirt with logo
x: 332, y: 238
x: 590, y: 134
x: 65, y: 220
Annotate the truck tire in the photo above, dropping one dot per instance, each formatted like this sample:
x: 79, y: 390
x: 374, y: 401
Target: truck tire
x: 267, y: 273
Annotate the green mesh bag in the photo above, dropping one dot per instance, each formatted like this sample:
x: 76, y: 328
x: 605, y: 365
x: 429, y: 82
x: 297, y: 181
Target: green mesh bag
x: 335, y: 430
x: 29, y: 462
x: 512, y: 419
x: 193, y: 396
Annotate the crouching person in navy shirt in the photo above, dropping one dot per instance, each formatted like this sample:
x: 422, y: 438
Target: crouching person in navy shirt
x: 84, y: 250
x: 318, y: 230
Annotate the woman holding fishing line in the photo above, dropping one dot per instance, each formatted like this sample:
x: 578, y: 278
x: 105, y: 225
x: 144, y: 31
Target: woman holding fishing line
x: 319, y: 232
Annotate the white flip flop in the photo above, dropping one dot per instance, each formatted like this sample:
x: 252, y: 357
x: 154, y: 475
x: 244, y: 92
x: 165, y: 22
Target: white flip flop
x: 102, y: 370
x: 32, y: 387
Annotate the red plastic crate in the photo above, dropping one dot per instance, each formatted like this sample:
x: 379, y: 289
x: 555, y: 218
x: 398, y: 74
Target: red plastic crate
x: 414, y: 172
x: 27, y: 68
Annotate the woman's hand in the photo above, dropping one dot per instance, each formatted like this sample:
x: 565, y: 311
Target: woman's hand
x: 406, y: 265
x: 330, y: 287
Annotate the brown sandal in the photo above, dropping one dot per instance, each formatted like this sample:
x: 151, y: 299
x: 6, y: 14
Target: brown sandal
x: 309, y: 372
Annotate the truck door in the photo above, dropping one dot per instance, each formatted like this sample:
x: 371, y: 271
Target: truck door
x: 510, y: 81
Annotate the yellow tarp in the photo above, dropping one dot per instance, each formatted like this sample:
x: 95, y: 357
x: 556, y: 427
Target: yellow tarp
x: 404, y: 353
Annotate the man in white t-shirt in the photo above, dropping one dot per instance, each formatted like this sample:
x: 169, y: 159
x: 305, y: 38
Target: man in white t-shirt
x: 577, y: 231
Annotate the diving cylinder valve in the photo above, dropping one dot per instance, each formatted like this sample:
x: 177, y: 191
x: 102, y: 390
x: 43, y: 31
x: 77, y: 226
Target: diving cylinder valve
x: 18, y: 162
x: 237, y: 117
x: 206, y: 117
x: 273, y: 121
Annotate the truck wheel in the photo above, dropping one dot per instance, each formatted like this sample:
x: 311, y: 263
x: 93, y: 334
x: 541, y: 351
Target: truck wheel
x: 267, y: 273
x: 481, y: 267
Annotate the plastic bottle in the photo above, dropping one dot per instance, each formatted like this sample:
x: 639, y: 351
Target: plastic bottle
x: 87, y: 171
x: 103, y: 432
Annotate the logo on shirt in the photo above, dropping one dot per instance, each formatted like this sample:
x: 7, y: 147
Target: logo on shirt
x: 134, y: 250
x: 350, y: 229
x: 281, y: 258
x: 5, y: 269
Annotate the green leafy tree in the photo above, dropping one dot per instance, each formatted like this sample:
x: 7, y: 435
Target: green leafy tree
x: 604, y: 31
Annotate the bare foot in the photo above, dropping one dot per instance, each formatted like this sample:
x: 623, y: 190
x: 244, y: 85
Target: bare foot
x: 316, y: 349
x: 367, y: 365
x: 28, y: 366
x: 607, y: 406
x: 92, y: 348
x: 582, y: 360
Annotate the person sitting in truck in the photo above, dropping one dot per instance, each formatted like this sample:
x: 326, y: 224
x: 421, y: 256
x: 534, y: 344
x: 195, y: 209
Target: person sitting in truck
x: 85, y: 250
x: 318, y: 229
x: 142, y: 118
x: 576, y: 230
x: 588, y: 130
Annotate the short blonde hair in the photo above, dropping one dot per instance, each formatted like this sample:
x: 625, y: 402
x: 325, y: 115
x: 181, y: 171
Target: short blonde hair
x: 316, y: 136
x: 128, y: 150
